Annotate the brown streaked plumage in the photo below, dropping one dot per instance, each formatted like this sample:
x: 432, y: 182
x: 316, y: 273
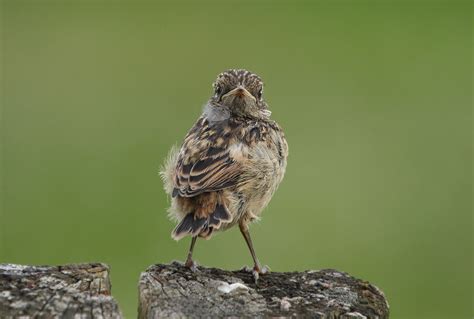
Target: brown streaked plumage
x: 229, y: 165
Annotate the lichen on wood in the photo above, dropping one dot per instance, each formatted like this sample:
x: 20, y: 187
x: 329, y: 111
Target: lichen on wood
x: 173, y: 291
x: 72, y: 291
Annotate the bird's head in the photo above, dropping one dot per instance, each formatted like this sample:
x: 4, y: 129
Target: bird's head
x: 239, y: 92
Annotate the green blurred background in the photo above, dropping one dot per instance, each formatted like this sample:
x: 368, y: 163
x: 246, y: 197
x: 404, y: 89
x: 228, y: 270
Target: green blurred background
x: 375, y: 99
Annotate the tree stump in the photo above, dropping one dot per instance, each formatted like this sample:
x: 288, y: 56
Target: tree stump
x: 72, y: 291
x: 173, y: 291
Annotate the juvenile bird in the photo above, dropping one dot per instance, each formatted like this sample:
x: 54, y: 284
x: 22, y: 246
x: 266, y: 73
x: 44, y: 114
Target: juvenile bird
x: 229, y: 165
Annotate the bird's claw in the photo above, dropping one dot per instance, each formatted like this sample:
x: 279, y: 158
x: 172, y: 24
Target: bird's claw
x: 192, y: 265
x: 256, y: 271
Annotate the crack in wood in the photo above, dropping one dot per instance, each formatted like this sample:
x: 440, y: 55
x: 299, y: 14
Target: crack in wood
x: 83, y: 291
x: 318, y: 294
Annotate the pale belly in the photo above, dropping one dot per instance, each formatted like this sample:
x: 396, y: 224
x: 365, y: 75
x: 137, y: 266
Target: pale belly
x: 260, y: 180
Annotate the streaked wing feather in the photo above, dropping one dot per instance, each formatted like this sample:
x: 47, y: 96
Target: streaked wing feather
x: 213, y: 169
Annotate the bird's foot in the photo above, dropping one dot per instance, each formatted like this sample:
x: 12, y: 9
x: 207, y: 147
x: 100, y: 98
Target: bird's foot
x: 256, y: 271
x: 190, y: 264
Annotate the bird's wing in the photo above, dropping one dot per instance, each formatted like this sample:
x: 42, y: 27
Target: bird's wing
x: 209, y: 160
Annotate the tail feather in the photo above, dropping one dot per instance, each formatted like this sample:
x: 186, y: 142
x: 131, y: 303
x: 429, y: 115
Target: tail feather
x: 190, y: 225
x: 219, y: 216
x: 222, y: 213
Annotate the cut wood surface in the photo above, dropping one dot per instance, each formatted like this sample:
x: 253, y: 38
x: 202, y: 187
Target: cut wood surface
x: 173, y: 291
x: 72, y: 291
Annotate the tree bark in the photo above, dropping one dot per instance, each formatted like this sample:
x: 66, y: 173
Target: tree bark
x: 72, y: 291
x: 173, y: 291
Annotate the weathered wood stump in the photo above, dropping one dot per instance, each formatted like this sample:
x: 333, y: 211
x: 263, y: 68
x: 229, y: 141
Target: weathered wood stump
x: 83, y: 291
x: 173, y: 291
x: 73, y: 291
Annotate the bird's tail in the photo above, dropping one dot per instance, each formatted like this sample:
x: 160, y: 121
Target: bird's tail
x: 202, y: 226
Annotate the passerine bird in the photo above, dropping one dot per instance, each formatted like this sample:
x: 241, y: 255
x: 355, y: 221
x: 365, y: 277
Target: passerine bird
x: 229, y: 165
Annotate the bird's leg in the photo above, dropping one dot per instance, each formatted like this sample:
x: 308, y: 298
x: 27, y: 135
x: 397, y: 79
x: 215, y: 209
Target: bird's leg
x: 257, y: 269
x: 189, y: 261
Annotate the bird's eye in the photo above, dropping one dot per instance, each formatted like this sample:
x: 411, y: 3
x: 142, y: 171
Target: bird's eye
x: 218, y: 89
x: 259, y: 94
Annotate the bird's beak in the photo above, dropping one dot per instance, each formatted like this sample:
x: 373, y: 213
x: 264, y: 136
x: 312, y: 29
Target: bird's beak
x: 239, y: 91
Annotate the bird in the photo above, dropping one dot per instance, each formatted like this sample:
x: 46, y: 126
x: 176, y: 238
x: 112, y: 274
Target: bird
x: 229, y: 165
